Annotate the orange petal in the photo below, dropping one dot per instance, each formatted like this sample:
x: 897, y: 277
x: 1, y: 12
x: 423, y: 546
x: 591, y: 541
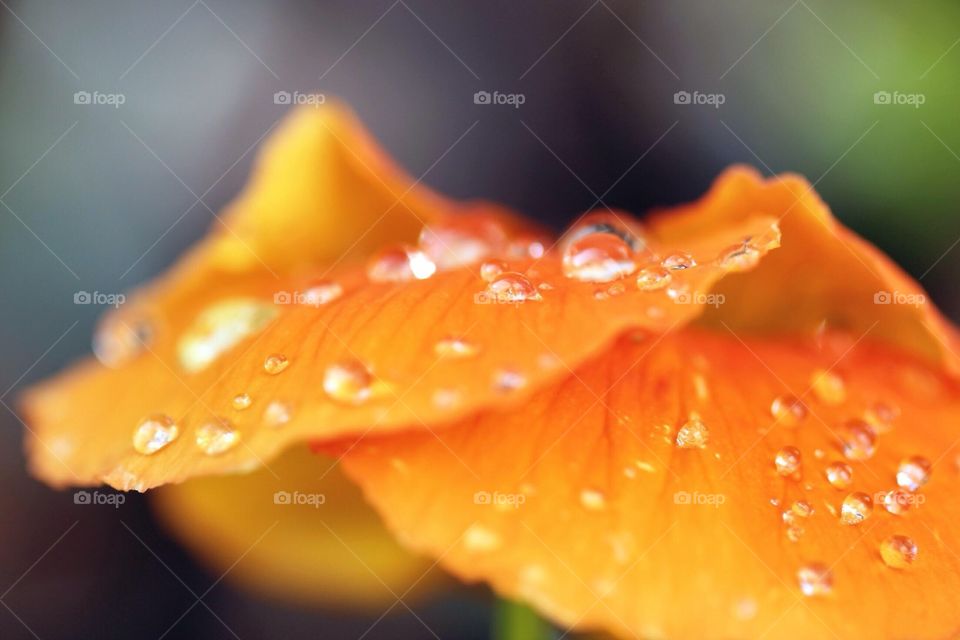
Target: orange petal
x: 378, y: 357
x: 823, y: 274
x: 582, y: 504
x: 297, y: 530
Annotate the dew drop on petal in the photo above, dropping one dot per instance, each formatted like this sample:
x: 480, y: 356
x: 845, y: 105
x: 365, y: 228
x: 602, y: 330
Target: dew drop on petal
x: 787, y: 461
x: 277, y: 413
x: 455, y: 348
x: 653, y: 278
x: 216, y: 437
x: 321, y: 293
x: 219, y: 328
x: 858, y: 440
x: 400, y: 264
x: 117, y: 341
x: 593, y: 499
x: 788, y: 410
x: 802, y: 509
x: 241, y: 401
x: 693, y: 434
x: 512, y: 287
x: 839, y: 475
x: 828, y: 387
x: 739, y: 257
x: 856, y: 508
x: 349, y: 382
x: 465, y: 241
x: 622, y: 226
x: 275, y: 363
x: 881, y: 416
x: 598, y: 257
x: 815, y: 579
x: 154, y: 433
x: 490, y: 269
x: 898, y: 552
x: 898, y: 501
x: 679, y: 262
x: 913, y: 473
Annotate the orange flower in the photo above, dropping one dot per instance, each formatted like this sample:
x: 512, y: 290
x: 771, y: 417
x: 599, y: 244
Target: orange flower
x: 674, y: 429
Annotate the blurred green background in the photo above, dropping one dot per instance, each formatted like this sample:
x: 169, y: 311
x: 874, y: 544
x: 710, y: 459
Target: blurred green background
x: 102, y: 198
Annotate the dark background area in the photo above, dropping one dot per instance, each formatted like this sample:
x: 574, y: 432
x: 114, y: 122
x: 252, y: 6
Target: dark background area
x: 102, y: 198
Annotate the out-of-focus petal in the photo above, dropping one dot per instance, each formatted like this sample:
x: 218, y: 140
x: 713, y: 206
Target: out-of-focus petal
x: 297, y: 530
x: 583, y: 504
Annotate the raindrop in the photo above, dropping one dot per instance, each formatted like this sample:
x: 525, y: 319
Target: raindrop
x: 276, y: 414
x: 898, y: 552
x: 839, y: 475
x: 349, y: 382
x: 787, y: 462
x: 913, y: 473
x: 653, y: 278
x: 512, y: 287
x: 856, y: 508
x: 217, y: 437
x: 603, y: 222
x: 400, y: 264
x: 828, y: 387
x: 899, y: 501
x: 491, y: 269
x: 219, y: 328
x: 241, y: 401
x: 598, y: 257
x: 679, y: 262
x: 788, y: 410
x: 858, y: 440
x: 275, y: 363
x: 117, y: 342
x: 154, y: 433
x: 881, y: 416
x: 321, y: 293
x: 693, y: 434
x: 465, y: 241
x: 815, y: 579
x: 739, y: 257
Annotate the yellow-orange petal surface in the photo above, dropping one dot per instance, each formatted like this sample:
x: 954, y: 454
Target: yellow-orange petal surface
x: 296, y: 530
x: 582, y: 503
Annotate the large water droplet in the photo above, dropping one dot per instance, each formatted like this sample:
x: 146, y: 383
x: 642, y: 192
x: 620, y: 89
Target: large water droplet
x: 815, y: 579
x: 788, y: 410
x: 913, y: 473
x: 512, y: 287
x: 277, y: 413
x: 899, y: 501
x: 679, y: 262
x: 154, y: 433
x: 828, y: 387
x: 598, y: 257
x: 881, y: 416
x: 400, y: 264
x: 857, y: 440
x: 350, y: 382
x: 275, y: 363
x: 461, y: 241
x: 787, y: 461
x: 693, y: 434
x: 739, y: 257
x: 839, y: 475
x: 241, y: 401
x: 490, y: 269
x: 653, y: 278
x: 219, y: 328
x: 455, y: 348
x: 117, y: 341
x: 604, y: 222
x: 856, y: 508
x: 217, y: 436
x: 898, y: 552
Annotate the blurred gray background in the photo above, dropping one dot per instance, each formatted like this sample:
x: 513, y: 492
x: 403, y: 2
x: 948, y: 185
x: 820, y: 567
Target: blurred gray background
x: 98, y: 197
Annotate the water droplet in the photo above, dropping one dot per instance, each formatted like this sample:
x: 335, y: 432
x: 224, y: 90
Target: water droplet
x: 276, y: 414
x: 598, y: 257
x: 788, y: 410
x: 491, y: 269
x: 219, y: 328
x: 593, y: 499
x: 881, y: 416
x: 815, y: 579
x: 455, y: 348
x: 679, y: 262
x: 787, y: 462
x: 275, y: 363
x: 913, y: 473
x: 217, y: 436
x: 118, y: 341
x: 795, y: 532
x: 241, y: 401
x: 898, y: 552
x: 622, y: 226
x: 856, y: 508
x: 739, y: 257
x: 802, y: 509
x: 321, y: 293
x: 461, y: 241
x: 857, y: 440
x: 154, y: 433
x: 508, y: 380
x: 828, y: 387
x: 400, y: 264
x: 899, y: 501
x: 479, y: 538
x: 839, y: 475
x: 349, y: 382
x: 512, y: 287
x: 653, y: 278
x: 693, y: 434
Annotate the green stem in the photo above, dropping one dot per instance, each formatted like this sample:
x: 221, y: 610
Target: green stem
x: 514, y: 621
